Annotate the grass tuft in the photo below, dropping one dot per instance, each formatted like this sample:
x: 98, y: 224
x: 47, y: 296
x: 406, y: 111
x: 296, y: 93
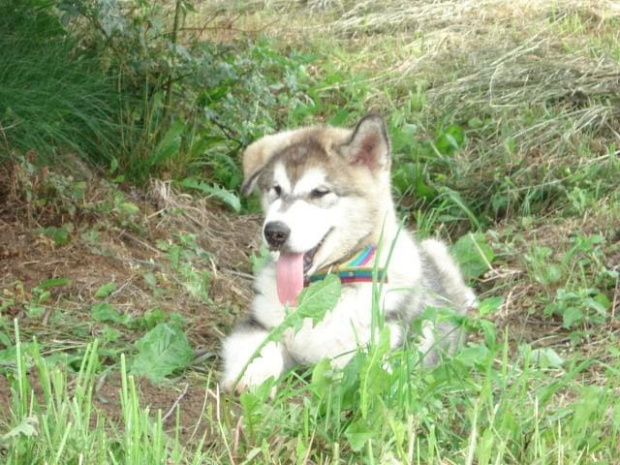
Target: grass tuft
x: 52, y: 102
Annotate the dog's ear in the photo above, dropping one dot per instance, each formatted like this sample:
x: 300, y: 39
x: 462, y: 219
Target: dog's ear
x: 369, y: 144
x: 257, y: 155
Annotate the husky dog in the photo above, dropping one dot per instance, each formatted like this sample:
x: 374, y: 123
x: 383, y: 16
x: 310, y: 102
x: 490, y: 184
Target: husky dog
x: 327, y: 198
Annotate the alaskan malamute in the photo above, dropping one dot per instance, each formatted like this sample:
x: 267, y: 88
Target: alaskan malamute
x: 327, y: 199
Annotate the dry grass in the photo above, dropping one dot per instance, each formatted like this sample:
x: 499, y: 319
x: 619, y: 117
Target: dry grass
x: 485, y: 57
x: 232, y: 238
x: 123, y: 251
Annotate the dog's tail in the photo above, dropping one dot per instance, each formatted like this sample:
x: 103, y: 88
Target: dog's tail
x: 449, y: 274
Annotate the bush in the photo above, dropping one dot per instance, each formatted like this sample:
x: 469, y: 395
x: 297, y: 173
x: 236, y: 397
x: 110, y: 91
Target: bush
x: 53, y: 100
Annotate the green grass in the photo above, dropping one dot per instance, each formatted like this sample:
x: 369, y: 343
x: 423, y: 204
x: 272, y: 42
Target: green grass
x: 492, y: 403
x: 502, y: 118
x: 52, y: 102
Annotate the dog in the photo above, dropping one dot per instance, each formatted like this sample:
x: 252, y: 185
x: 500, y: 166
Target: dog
x: 326, y: 195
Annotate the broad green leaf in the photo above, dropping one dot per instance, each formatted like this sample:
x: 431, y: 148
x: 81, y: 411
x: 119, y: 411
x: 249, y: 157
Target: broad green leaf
x: 473, y: 255
x: 314, y: 302
x: 56, y: 282
x: 161, y: 351
x: 175, y: 256
x: 200, y: 145
x: 223, y: 195
x: 35, y: 311
x: 130, y: 208
x: 547, y: 357
x: 450, y: 139
x: 475, y: 123
x: 600, y: 303
x: 473, y: 355
x: 169, y: 144
x: 321, y: 379
x: 511, y: 146
x: 106, y: 313
x: 60, y: 236
x: 113, y: 165
x: 8, y: 356
x: 339, y: 118
x: 27, y: 427
x: 150, y: 319
x: 490, y: 305
x: 44, y: 297
x: 111, y: 334
x: 358, y: 433
x: 570, y: 316
x: 105, y: 290
x: 319, y: 298
x: 488, y: 329
x: 549, y: 274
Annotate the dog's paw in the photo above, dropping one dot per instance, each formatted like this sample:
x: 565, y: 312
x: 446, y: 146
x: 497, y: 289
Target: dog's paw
x: 471, y: 301
x: 269, y: 364
x: 426, y: 340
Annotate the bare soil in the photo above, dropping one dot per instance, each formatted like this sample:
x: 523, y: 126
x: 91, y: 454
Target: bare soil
x: 124, y: 256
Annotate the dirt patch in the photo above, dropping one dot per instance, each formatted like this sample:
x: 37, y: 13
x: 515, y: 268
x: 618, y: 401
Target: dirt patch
x: 189, y: 399
x: 100, y: 249
x: 105, y: 245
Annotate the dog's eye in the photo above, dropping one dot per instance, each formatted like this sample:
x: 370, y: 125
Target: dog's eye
x: 318, y: 193
x: 278, y: 190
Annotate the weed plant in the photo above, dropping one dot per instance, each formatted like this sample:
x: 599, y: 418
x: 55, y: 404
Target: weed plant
x: 53, y: 100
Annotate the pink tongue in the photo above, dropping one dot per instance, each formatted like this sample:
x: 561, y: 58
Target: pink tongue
x: 290, y: 277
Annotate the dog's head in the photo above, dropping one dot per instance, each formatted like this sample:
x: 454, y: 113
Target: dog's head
x: 324, y: 192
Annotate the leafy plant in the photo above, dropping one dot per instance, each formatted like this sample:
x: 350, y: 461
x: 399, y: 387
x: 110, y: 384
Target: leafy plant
x: 225, y: 196
x: 105, y: 290
x: 313, y: 303
x: 473, y: 255
x: 51, y: 102
x: 60, y: 236
x: 161, y: 351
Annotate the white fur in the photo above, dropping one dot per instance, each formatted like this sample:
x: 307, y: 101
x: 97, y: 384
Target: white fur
x: 342, y: 330
x: 449, y: 271
x: 297, y: 217
x: 238, y: 349
x: 281, y: 178
x: 302, y: 213
x: 341, y: 223
x: 312, y: 179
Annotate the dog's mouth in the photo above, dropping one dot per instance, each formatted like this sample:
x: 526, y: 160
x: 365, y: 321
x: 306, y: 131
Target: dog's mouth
x: 292, y: 270
x: 309, y: 256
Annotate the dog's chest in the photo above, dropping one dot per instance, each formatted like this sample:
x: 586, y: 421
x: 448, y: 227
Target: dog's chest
x: 341, y: 330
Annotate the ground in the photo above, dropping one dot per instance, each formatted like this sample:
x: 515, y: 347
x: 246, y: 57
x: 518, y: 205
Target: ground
x: 28, y: 257
x: 503, y: 114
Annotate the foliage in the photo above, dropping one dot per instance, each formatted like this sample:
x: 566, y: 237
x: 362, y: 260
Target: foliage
x: 51, y: 102
x: 199, y: 102
x: 578, y: 283
x: 314, y: 303
x: 161, y: 351
x: 473, y: 255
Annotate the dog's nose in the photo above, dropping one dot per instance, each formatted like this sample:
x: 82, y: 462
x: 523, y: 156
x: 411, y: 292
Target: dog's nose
x: 276, y: 233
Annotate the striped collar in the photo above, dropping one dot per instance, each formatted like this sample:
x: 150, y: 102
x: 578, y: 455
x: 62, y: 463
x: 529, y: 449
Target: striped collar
x: 359, y: 269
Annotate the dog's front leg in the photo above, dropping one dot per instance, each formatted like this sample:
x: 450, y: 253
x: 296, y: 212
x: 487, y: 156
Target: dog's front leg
x: 240, y: 347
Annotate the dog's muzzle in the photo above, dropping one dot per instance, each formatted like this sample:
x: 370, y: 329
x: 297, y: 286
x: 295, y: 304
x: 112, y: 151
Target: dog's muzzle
x: 276, y: 234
